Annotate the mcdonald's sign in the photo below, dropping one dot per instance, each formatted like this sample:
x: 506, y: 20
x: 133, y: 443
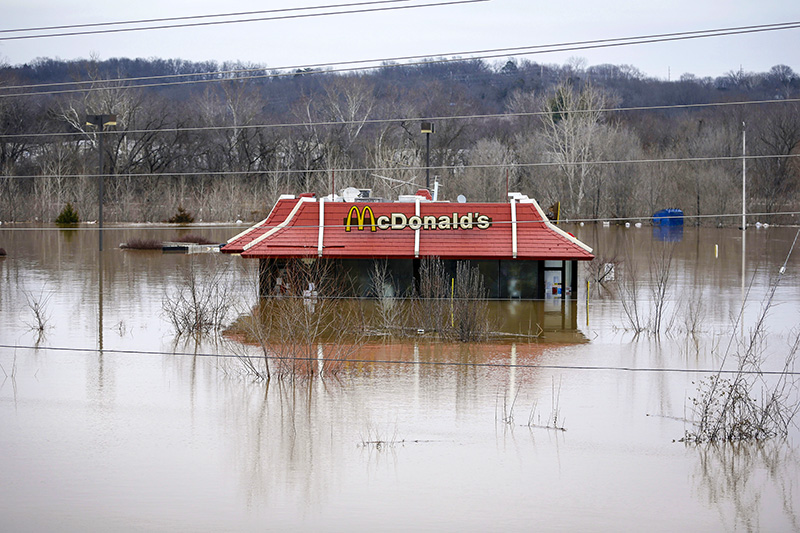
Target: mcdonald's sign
x: 360, y: 216
x: 399, y: 221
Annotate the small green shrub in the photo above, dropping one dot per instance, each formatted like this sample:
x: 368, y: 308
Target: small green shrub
x: 181, y: 217
x: 68, y: 216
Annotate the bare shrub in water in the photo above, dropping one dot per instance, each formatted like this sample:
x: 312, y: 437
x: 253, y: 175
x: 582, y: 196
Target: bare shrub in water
x: 601, y: 272
x: 390, y: 311
x: 652, y: 318
x: 431, y: 302
x: 142, y: 244
x: 554, y: 420
x: 470, y: 309
x: 201, y: 302
x: 694, y: 311
x: 749, y: 405
x: 455, y: 307
x: 661, y: 278
x: 379, y: 440
x: 746, y: 406
x: 192, y: 238
x: 307, y: 329
x: 38, y: 308
x: 629, y: 292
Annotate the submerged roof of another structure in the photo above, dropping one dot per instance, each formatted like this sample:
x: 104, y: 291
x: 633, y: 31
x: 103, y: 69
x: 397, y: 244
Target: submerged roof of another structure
x: 417, y: 227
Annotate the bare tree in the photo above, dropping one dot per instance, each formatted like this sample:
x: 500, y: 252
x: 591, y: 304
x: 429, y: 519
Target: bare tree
x: 490, y: 165
x: 709, y: 186
x: 349, y: 100
x: 782, y: 77
x: 16, y: 117
x: 393, y: 148
x: 777, y: 177
x: 525, y: 105
x: 573, y: 123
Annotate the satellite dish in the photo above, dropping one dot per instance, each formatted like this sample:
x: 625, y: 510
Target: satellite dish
x: 461, y: 199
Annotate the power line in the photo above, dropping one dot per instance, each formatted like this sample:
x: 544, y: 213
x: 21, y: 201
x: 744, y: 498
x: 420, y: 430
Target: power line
x: 509, y: 166
x: 193, y: 17
x: 695, y: 33
x: 223, y: 225
x: 398, y: 120
x: 149, y: 227
x: 387, y: 62
x: 673, y: 370
x: 257, y: 19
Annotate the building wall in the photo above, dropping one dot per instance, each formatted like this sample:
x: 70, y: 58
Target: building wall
x: 503, y: 279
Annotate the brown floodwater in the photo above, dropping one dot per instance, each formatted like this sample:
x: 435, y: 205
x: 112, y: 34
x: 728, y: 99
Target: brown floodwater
x: 109, y: 421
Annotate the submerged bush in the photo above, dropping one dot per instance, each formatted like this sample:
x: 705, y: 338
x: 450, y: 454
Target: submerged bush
x: 68, y: 216
x: 192, y: 238
x: 749, y: 405
x: 390, y: 315
x: 455, y: 306
x: 727, y: 410
x: 155, y: 244
x: 304, y: 330
x: 201, y: 302
x: 142, y: 244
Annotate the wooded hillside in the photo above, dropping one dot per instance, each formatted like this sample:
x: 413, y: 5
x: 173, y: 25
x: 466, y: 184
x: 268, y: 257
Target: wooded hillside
x: 223, y: 141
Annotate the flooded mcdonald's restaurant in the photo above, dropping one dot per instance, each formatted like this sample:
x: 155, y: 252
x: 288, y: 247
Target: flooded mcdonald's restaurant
x: 520, y: 254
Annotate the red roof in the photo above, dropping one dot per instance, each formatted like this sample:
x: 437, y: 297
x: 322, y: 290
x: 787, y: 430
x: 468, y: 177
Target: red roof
x: 280, y: 211
x: 407, y: 230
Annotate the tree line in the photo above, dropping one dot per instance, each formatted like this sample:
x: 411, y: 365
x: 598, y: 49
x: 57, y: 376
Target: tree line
x: 225, y: 140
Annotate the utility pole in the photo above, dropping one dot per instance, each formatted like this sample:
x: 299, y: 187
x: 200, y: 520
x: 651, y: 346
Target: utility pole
x: 744, y: 176
x: 100, y: 122
x: 744, y: 215
x: 427, y: 129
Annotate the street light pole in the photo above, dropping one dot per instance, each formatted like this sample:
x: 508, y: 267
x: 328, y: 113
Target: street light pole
x: 100, y: 122
x: 744, y: 177
x: 427, y: 129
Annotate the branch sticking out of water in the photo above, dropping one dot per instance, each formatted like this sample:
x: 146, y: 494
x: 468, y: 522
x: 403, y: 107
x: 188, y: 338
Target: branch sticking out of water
x: 746, y: 406
x: 38, y: 307
x: 554, y: 420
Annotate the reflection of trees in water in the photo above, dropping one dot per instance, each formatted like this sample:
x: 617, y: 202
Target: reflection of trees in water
x: 284, y: 440
x: 294, y: 443
x: 748, y: 481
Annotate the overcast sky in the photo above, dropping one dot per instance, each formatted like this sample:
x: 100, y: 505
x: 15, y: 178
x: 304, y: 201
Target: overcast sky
x: 431, y: 31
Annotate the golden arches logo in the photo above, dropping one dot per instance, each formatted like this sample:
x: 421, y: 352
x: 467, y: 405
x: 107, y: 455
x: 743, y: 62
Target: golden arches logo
x: 360, y: 216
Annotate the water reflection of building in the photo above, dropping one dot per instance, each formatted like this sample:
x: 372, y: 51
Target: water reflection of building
x: 555, y: 318
x: 520, y: 254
